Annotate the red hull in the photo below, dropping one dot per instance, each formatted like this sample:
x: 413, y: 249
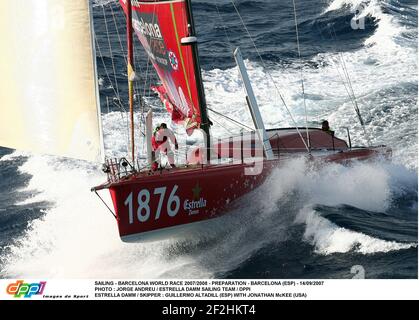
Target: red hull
x: 182, y: 196
x: 150, y: 204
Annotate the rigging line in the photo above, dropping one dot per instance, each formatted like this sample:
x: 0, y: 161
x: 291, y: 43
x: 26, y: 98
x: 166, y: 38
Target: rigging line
x: 301, y: 71
x: 348, y: 84
x: 110, y: 50
x: 344, y: 76
x: 119, y: 36
x: 223, y: 127
x: 119, y: 104
x: 345, y: 70
x: 110, y: 210
x: 224, y: 27
x: 343, y: 81
x: 120, y: 43
x: 123, y: 112
x: 149, y: 59
x: 270, y: 76
x: 142, y: 108
x: 358, y: 112
x: 147, y: 77
x: 352, y: 91
x: 232, y: 120
x: 230, y: 44
x: 137, y: 91
x: 106, y: 69
x: 136, y: 88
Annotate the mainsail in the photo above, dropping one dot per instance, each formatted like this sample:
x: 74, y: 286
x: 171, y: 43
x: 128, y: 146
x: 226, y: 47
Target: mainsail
x: 161, y: 26
x: 48, y: 90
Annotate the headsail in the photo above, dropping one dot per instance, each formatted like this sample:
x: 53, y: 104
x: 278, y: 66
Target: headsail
x: 48, y: 91
x: 161, y: 25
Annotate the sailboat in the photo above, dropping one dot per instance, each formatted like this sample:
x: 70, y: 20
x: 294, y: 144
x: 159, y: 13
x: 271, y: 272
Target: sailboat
x: 59, y: 113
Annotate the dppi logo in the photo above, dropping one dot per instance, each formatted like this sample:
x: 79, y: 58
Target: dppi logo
x: 27, y: 290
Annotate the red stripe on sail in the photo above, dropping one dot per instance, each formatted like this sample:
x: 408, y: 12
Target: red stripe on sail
x: 177, y: 116
x: 160, y: 26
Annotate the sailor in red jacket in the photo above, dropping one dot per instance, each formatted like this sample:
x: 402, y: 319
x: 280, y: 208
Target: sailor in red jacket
x: 155, y: 145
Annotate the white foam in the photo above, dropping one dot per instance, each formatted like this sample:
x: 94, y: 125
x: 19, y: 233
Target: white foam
x: 388, y: 28
x: 364, y: 185
x: 328, y: 238
x: 14, y: 155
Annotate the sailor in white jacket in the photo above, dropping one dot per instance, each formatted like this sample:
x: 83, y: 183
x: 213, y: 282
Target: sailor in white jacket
x: 164, y: 137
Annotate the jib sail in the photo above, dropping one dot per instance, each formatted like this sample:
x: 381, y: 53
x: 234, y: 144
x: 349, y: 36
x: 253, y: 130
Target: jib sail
x: 48, y: 90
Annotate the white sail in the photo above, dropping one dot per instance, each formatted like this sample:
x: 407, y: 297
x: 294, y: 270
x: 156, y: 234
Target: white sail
x: 48, y: 87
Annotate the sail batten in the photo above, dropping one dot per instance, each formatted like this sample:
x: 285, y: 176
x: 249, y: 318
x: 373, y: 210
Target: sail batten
x: 48, y: 85
x: 160, y: 25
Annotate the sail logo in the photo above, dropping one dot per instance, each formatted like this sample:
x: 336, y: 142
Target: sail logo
x: 21, y: 289
x: 150, y: 33
x: 150, y: 29
x: 173, y: 61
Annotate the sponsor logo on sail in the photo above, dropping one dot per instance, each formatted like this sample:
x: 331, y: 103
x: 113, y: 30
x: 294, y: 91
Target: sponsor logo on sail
x: 150, y: 33
x: 150, y: 29
x: 173, y: 61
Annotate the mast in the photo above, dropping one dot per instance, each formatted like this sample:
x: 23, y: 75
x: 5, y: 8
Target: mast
x: 253, y: 106
x: 192, y: 41
x: 131, y: 77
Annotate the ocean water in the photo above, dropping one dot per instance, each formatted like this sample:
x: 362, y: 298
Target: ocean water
x: 301, y: 223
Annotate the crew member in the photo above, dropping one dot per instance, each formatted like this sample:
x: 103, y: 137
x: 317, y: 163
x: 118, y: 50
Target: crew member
x: 155, y: 145
x: 164, y: 136
x: 326, y: 128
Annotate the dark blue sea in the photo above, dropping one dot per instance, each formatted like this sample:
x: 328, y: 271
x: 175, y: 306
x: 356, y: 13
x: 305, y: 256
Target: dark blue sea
x: 302, y: 223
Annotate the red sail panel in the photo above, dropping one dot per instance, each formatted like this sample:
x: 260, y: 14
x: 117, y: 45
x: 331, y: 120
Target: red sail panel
x: 160, y: 27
